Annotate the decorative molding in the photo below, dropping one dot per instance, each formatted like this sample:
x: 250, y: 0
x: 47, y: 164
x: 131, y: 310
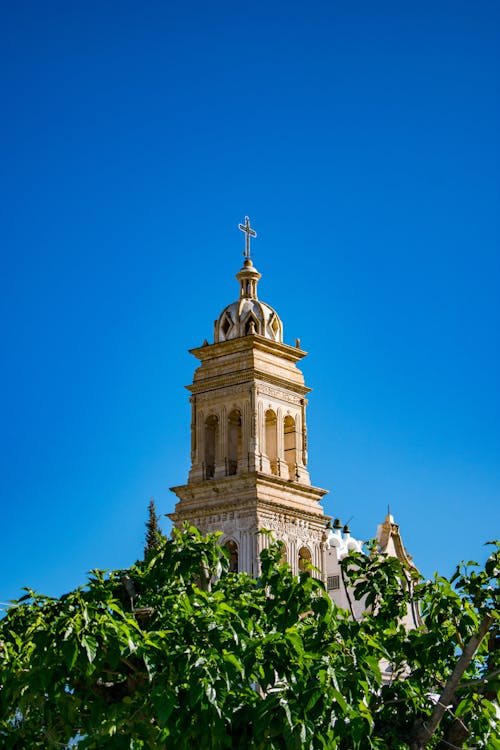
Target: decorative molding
x: 222, y: 395
x: 282, y: 395
x: 220, y: 380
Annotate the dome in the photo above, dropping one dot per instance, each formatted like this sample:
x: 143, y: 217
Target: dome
x: 248, y: 315
x: 353, y: 545
x: 334, y: 539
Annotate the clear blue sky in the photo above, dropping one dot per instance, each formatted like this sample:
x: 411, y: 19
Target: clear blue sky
x: 362, y: 140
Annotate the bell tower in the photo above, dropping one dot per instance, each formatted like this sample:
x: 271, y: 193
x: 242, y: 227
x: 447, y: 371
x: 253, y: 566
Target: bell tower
x: 249, y: 437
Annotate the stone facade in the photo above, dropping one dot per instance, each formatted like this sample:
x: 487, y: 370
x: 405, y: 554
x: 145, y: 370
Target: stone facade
x: 249, y: 438
x: 249, y: 445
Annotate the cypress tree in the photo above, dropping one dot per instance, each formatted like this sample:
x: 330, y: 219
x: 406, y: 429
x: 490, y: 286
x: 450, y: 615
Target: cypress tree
x: 154, y: 534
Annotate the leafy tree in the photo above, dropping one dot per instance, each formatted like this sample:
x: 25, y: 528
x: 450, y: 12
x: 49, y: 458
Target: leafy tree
x: 154, y: 535
x: 204, y: 657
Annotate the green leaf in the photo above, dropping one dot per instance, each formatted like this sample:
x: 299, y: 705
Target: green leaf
x: 231, y: 659
x: 70, y: 651
x: 295, y: 640
x: 339, y: 698
x: 90, y: 645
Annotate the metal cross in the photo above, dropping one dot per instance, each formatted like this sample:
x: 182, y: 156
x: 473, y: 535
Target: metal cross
x: 249, y: 232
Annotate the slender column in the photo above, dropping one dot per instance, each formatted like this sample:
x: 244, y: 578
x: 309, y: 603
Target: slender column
x: 201, y: 437
x: 301, y: 471
x: 261, y: 457
x: 242, y: 551
x: 315, y: 554
x: 298, y: 440
x: 198, y: 455
x: 304, y: 432
x: 248, y: 552
x: 251, y: 544
x: 221, y: 445
x: 222, y: 448
x: 261, y: 429
x: 251, y: 430
x: 255, y: 547
x: 283, y: 470
x: 322, y: 565
x: 193, y: 429
x: 293, y: 556
x: 245, y: 435
x: 253, y: 423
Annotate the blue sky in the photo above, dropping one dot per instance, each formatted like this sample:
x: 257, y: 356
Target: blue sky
x: 362, y: 140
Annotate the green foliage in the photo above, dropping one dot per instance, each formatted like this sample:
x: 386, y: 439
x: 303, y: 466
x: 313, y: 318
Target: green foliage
x: 154, y: 535
x: 221, y: 660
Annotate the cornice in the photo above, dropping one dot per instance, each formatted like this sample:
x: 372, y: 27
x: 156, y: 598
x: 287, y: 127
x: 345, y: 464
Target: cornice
x: 251, y: 375
x: 227, y: 486
x: 244, y: 343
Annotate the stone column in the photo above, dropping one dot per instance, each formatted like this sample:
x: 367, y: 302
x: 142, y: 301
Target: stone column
x: 221, y: 445
x: 298, y: 439
x: 261, y: 458
x: 196, y: 472
x: 246, y: 459
x: 293, y: 555
x: 283, y: 466
x: 193, y: 429
x: 242, y: 550
x: 201, y: 438
x: 304, y: 432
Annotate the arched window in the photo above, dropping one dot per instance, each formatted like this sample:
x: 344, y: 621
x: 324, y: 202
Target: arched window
x: 304, y: 559
x: 272, y: 440
x: 233, y: 441
x: 290, y: 445
x: 211, y: 435
x: 232, y: 548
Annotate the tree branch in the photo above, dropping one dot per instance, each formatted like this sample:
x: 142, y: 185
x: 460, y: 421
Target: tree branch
x: 346, y: 589
x: 423, y: 731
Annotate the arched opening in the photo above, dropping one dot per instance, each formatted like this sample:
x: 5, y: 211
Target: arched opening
x: 284, y: 556
x: 211, y: 434
x: 304, y: 560
x: 232, y: 548
x: 271, y: 423
x: 290, y: 445
x: 234, y: 441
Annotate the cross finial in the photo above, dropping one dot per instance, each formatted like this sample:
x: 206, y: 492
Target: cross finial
x: 249, y: 232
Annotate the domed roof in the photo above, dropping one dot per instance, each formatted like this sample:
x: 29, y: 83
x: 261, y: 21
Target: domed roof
x: 343, y: 543
x: 248, y: 315
x: 334, y: 539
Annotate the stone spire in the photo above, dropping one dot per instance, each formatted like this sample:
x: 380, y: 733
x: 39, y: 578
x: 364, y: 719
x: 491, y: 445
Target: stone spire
x: 248, y: 316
